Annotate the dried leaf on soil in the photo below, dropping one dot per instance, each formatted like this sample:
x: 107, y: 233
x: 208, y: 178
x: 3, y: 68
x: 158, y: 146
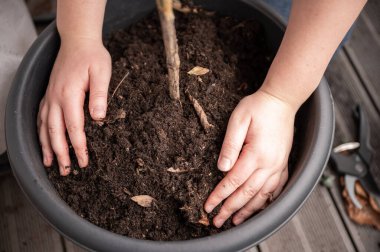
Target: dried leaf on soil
x: 143, y: 200
x: 198, y: 71
x: 176, y: 170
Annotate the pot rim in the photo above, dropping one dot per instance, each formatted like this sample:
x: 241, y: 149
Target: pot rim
x: 88, y: 235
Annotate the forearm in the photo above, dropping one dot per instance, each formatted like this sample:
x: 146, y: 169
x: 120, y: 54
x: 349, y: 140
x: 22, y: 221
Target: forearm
x: 315, y: 30
x: 78, y: 19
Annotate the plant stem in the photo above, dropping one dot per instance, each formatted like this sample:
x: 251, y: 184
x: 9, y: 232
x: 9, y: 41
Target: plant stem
x: 165, y: 10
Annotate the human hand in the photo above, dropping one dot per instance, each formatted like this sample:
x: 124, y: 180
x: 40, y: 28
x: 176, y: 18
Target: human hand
x: 82, y: 64
x: 255, y: 154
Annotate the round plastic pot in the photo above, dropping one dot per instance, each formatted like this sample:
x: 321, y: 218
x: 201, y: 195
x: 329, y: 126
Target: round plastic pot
x: 315, y: 134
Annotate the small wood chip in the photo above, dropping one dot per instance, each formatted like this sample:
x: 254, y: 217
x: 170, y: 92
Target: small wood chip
x: 204, y: 220
x: 126, y: 191
x: 140, y: 162
x: 177, y: 5
x: 198, y: 71
x: 143, y: 200
x: 121, y: 114
x: 200, y: 112
x: 99, y: 123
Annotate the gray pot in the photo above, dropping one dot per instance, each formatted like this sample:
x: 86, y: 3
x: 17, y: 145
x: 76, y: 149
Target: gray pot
x: 30, y: 84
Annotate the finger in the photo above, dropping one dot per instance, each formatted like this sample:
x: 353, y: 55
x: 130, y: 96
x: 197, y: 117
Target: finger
x: 259, y: 201
x: 99, y: 81
x: 242, y: 195
x: 56, y: 129
x: 233, y: 141
x: 74, y: 121
x: 283, y: 180
x: 47, y: 151
x: 41, y: 109
x: 242, y: 170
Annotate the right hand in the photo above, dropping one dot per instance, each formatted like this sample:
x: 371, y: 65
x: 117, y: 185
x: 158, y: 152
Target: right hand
x: 82, y: 64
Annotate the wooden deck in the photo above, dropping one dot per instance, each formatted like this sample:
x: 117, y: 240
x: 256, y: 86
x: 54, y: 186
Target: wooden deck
x: 321, y: 225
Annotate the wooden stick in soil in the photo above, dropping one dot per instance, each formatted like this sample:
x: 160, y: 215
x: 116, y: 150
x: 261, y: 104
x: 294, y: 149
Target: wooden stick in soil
x: 165, y: 10
x: 200, y: 112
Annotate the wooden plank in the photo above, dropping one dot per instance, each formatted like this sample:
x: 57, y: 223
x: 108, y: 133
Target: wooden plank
x: 317, y: 227
x: 372, y: 10
x: 21, y: 227
x: 363, y: 49
x: 72, y: 247
x: 254, y: 249
x: 347, y: 90
x: 286, y: 239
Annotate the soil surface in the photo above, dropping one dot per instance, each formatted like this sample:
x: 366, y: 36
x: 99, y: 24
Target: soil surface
x: 152, y: 146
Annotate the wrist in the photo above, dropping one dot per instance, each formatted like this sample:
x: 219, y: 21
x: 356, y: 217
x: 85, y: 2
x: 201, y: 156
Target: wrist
x: 293, y: 90
x: 80, y: 41
x: 290, y: 106
x: 67, y: 37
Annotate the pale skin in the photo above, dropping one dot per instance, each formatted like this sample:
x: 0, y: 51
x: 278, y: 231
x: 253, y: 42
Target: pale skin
x: 259, y: 136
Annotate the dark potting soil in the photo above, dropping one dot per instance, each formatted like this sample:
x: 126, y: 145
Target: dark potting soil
x: 152, y: 145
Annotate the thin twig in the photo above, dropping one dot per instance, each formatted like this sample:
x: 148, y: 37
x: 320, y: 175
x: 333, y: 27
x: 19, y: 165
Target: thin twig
x: 165, y: 10
x: 200, y: 112
x: 117, y: 87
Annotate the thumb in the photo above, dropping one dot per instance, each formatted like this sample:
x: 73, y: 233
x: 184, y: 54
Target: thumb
x: 99, y: 82
x: 234, y: 139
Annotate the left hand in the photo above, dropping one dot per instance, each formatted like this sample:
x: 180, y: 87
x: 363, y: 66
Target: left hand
x: 255, y: 154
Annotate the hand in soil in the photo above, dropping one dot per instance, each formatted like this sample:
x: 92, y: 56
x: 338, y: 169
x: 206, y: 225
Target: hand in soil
x: 255, y: 154
x: 81, y: 65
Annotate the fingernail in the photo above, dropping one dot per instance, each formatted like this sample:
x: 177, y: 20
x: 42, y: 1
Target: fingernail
x: 237, y: 221
x: 99, y: 112
x: 209, y: 208
x: 65, y: 170
x: 218, y: 222
x: 224, y: 164
x: 81, y: 162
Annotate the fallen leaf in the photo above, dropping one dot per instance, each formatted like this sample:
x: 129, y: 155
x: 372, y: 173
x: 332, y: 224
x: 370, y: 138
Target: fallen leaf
x: 198, y: 71
x: 143, y: 200
x: 176, y: 170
